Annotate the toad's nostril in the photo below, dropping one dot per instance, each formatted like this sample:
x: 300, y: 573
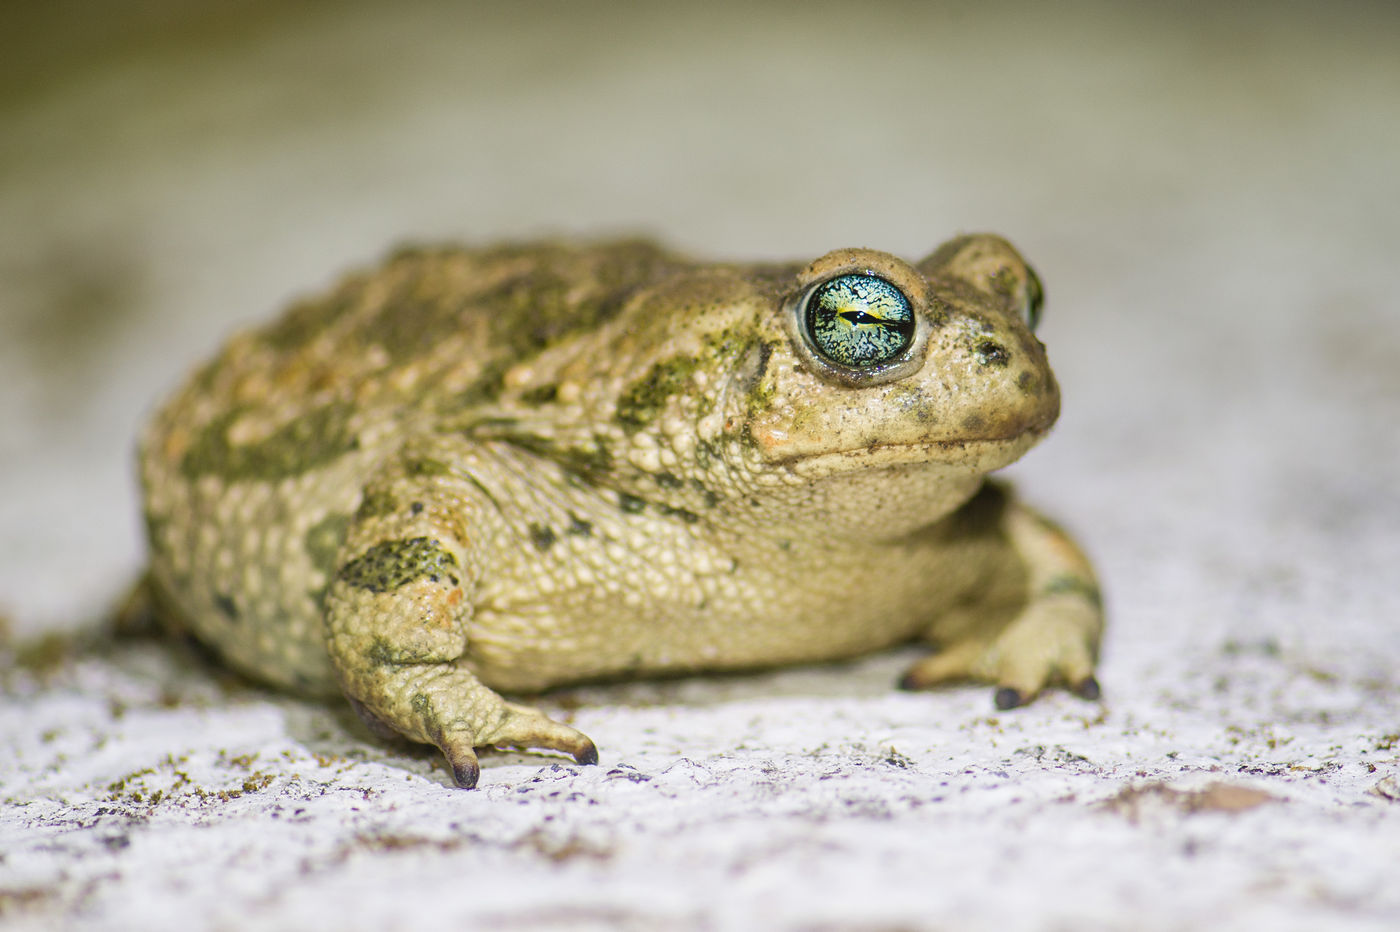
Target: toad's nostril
x: 991, y: 353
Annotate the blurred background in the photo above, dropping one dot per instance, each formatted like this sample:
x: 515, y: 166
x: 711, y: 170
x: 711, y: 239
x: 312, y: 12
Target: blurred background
x: 1208, y: 190
x: 1210, y: 193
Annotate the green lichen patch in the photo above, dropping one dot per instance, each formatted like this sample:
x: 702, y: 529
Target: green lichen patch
x: 395, y: 563
x: 293, y: 449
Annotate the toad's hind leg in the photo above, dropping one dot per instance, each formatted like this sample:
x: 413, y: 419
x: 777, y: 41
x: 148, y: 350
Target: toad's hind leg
x: 396, y: 621
x: 1052, y: 641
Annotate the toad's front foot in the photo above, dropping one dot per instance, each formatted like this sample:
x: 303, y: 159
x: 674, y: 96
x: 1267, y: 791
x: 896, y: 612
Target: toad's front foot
x: 448, y: 707
x: 397, y: 611
x: 520, y: 727
x: 1053, y: 641
x: 1051, y: 644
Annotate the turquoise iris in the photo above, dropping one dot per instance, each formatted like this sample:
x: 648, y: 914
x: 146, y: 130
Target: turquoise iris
x: 859, y: 320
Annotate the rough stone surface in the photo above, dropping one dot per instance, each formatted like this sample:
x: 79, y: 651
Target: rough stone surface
x: 1210, y: 201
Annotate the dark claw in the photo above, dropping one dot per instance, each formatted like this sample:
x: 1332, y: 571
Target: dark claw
x: 908, y: 682
x: 1009, y: 698
x: 1089, y: 689
x: 588, y: 755
x: 465, y: 773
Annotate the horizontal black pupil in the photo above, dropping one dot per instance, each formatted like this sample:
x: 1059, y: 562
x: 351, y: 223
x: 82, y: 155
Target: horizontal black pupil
x: 861, y: 317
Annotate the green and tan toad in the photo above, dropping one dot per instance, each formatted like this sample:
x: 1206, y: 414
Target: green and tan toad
x: 508, y: 469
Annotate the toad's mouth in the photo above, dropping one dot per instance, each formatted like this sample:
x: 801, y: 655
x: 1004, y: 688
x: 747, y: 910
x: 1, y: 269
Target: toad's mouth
x: 964, y: 456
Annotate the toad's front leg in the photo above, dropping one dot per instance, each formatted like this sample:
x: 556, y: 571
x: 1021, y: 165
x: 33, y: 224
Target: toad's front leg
x: 1053, y: 640
x: 397, y: 613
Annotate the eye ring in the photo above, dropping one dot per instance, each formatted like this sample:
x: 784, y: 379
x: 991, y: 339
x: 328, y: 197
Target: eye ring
x: 858, y: 321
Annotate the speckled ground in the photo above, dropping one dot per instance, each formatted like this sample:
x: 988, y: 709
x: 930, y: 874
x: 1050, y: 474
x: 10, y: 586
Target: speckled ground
x: 1210, y: 200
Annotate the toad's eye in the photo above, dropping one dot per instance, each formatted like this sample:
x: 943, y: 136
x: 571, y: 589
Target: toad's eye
x: 859, y: 320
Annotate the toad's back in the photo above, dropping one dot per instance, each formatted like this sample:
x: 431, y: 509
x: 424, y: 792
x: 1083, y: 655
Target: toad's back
x: 253, y: 469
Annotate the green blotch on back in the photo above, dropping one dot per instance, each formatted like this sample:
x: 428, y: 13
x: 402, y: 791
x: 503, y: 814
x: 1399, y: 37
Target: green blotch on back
x: 381, y: 654
x: 539, y: 395
x: 736, y: 347
x: 709, y: 497
x: 376, y: 504
x: 309, y: 319
x: 426, y: 467
x: 415, y: 318
x: 643, y: 400
x: 395, y: 563
x: 542, y: 536
x: 565, y: 291
x: 226, y: 606
x: 689, y: 517
x: 293, y: 449
x: 576, y: 458
x: 323, y: 540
